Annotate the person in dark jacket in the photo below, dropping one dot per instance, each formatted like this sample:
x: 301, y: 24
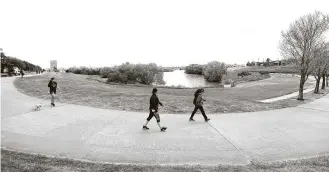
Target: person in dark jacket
x: 198, y: 102
x: 21, y: 72
x: 154, y: 104
x: 52, y: 90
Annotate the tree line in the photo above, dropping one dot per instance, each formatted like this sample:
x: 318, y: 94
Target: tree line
x: 8, y: 61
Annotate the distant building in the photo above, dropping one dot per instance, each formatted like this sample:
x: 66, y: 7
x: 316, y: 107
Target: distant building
x: 53, y: 65
x: 269, y: 63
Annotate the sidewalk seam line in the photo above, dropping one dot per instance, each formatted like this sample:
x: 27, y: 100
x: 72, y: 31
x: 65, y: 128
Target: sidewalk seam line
x: 223, y: 136
x: 313, y: 109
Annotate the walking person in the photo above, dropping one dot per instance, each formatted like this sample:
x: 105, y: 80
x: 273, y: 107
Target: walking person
x: 198, y: 102
x: 154, y: 104
x: 22, y: 73
x: 53, y: 87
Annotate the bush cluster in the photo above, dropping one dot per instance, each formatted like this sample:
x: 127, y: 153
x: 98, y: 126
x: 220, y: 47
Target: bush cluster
x: 83, y: 70
x: 126, y: 73
x: 213, y: 71
x: 194, y: 69
x: 244, y: 73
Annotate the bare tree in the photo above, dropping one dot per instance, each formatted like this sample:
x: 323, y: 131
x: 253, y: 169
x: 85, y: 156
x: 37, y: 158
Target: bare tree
x: 325, y: 71
x: 301, y: 40
x: 323, y: 87
x: 320, y: 63
x: 327, y: 78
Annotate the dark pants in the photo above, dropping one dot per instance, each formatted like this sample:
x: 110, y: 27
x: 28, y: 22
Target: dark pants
x: 202, y: 111
x: 151, y: 116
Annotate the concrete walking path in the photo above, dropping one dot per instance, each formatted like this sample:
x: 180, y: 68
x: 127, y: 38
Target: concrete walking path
x: 104, y: 135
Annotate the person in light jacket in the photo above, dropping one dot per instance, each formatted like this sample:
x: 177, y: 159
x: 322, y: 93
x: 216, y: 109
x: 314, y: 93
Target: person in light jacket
x: 198, y: 102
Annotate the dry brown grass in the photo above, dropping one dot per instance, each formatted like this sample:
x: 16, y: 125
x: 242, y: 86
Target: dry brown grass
x: 77, y: 89
x: 271, y: 69
x: 16, y: 162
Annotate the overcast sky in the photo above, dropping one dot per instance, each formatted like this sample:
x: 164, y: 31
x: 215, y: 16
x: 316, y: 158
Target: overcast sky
x: 168, y: 32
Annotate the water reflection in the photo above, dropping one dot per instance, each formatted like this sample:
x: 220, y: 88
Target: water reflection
x: 180, y: 78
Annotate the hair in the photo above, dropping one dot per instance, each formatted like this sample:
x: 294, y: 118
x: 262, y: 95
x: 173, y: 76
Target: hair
x: 154, y: 90
x: 52, y: 78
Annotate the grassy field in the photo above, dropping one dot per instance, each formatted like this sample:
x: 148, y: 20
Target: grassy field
x: 271, y: 69
x: 77, y: 89
x: 16, y: 162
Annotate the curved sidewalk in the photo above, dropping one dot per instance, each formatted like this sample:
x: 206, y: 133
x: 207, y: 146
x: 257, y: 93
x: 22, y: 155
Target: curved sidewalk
x: 93, y: 134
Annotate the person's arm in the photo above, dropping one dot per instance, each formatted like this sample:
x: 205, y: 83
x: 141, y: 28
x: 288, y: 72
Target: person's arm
x: 159, y: 101
x: 49, y: 84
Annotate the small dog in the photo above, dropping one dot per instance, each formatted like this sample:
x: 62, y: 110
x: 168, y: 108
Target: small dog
x: 37, y: 107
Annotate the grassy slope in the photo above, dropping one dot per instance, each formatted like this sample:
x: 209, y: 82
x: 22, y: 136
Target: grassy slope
x: 77, y: 89
x: 272, y: 69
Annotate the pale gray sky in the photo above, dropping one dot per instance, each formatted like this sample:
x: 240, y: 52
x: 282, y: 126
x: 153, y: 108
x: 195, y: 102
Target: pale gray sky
x: 169, y: 33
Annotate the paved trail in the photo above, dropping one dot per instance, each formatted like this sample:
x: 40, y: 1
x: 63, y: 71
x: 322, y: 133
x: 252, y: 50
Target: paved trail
x: 87, y: 133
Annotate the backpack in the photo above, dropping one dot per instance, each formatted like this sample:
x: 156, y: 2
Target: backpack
x: 197, y: 101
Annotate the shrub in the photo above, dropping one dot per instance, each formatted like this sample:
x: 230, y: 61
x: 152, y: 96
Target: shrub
x: 166, y: 69
x: 132, y: 73
x: 244, y: 73
x: 227, y: 82
x: 214, y: 71
x: 83, y: 70
x: 105, y: 71
x: 145, y: 73
x: 264, y: 72
x: 117, y: 77
x: 194, y: 69
x: 158, y: 79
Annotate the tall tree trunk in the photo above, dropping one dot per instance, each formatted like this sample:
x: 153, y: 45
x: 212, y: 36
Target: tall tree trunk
x: 301, y: 87
x: 316, y: 90
x: 327, y: 80
x: 323, y: 82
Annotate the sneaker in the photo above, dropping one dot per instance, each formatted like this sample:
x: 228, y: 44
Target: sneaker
x: 145, y: 127
x: 207, y: 119
x: 191, y: 119
x: 163, y: 128
x: 52, y: 104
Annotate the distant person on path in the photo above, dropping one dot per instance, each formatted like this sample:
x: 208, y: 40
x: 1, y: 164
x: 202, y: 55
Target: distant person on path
x: 154, y: 104
x: 198, y: 102
x: 22, y: 73
x: 53, y: 87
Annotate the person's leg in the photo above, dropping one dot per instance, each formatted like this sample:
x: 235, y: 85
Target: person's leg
x: 148, y: 119
x: 194, y: 111
x: 203, y: 114
x: 53, y: 99
x: 157, y: 116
